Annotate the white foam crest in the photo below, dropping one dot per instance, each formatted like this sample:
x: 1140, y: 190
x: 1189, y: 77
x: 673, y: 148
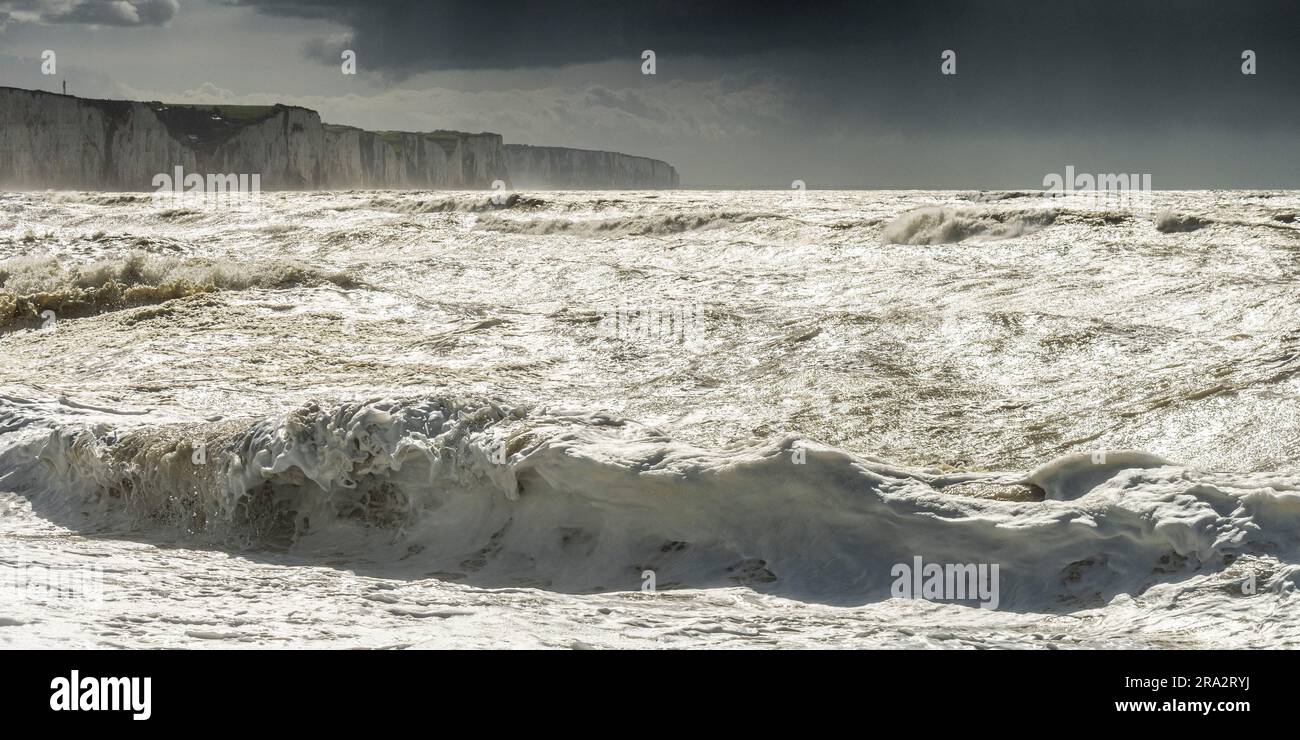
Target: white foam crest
x: 573, y: 501
x: 935, y: 225
x: 628, y: 225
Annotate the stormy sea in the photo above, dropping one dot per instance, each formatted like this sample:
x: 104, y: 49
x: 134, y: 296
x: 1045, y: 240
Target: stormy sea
x: 650, y: 419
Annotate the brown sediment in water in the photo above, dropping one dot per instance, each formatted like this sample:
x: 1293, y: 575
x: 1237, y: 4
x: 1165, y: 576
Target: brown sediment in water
x: 29, y: 288
x: 26, y: 311
x: 997, y: 491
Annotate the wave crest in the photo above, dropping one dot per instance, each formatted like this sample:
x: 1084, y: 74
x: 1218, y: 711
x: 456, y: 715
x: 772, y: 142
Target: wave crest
x: 634, y: 225
x: 935, y: 225
x: 483, y: 492
x: 461, y: 204
x: 1169, y: 222
x: 32, y: 285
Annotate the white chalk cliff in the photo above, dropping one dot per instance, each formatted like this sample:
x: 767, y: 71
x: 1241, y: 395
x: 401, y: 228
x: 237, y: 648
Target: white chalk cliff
x: 57, y: 141
x: 560, y: 168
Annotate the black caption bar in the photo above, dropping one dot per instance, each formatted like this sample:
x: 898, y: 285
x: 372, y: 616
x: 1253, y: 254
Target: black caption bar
x: 298, y: 690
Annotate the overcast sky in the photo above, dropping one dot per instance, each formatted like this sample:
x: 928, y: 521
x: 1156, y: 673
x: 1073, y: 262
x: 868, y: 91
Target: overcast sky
x: 746, y: 93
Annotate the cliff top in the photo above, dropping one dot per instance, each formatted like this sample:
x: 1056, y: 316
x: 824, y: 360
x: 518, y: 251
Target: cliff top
x: 584, y: 151
x: 236, y: 109
x: 201, y: 125
x: 209, y: 126
x: 447, y: 133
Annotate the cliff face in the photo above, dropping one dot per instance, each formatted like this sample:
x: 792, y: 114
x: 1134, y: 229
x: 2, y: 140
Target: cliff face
x: 63, y: 142
x: 56, y: 141
x: 553, y: 167
x: 397, y: 159
x: 68, y: 143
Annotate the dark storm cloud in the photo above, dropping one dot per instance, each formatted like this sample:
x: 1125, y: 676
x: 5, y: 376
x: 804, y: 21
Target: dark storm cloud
x: 1021, y: 64
x: 408, y: 36
x: 415, y: 35
x: 92, y: 12
x: 838, y: 91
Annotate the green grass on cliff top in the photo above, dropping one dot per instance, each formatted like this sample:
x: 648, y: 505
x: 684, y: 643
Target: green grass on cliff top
x: 230, y: 112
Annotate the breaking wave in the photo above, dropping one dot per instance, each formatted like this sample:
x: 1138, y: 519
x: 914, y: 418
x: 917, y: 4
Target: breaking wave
x: 935, y: 225
x: 32, y: 285
x: 100, y: 199
x: 635, y: 225
x: 485, y: 492
x: 993, y: 196
x: 463, y: 204
x: 1169, y: 222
